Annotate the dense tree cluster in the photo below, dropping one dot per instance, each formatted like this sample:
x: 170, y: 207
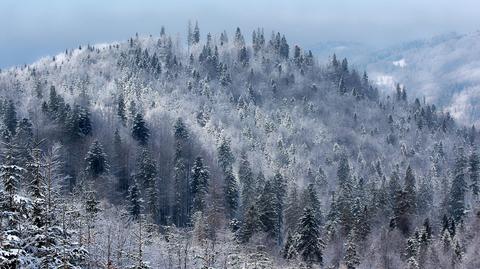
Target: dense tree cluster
x: 147, y: 154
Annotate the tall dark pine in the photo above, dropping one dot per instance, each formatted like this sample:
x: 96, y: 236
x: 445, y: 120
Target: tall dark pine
x: 231, y: 192
x: 199, y: 184
x: 411, y: 189
x: 182, y: 169
x: 134, y: 200
x: 119, y: 163
x: 247, y: 181
x: 474, y: 170
x: 121, y: 110
x: 140, y: 132
x: 10, y: 117
x: 96, y: 160
x: 456, y: 204
x: 268, y: 211
x: 310, y: 245
x: 146, y: 175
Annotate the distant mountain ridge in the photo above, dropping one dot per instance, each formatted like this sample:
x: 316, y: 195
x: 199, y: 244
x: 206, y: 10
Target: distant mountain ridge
x: 444, y: 69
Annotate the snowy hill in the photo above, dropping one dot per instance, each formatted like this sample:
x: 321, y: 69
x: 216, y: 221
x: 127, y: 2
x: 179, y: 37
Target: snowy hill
x: 445, y: 70
x: 205, y: 154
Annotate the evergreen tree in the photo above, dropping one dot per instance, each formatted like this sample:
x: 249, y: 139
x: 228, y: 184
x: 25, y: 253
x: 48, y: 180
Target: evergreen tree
x: 146, y: 174
x: 403, y: 212
x: 10, y: 174
x: 199, y: 184
x: 225, y: 155
x: 293, y: 210
x: 268, y: 211
x: 251, y: 224
x: 231, y: 194
x: 345, y: 196
x: 289, y: 249
x: 10, y: 117
x: 134, y: 200
x: 196, y: 34
x: 247, y: 181
x: 121, y: 110
x: 351, y: 255
x: 411, y: 189
x: 182, y: 185
x: 96, y: 160
x: 457, y: 192
x: 310, y: 245
x: 474, y: 169
x: 119, y: 160
x: 140, y: 132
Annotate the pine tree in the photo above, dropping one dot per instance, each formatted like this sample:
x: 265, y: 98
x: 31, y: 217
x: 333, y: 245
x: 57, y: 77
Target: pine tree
x: 251, y: 224
x: 231, y: 193
x: 199, y: 184
x: 310, y: 245
x: 196, y: 34
x: 289, y: 249
x: 293, y: 210
x: 140, y: 132
x: 474, y: 169
x: 10, y: 117
x: 96, y: 160
x: 345, y: 196
x: 225, y: 155
x: 121, y: 110
x: 457, y: 192
x: 10, y: 174
x: 247, y: 181
x: 119, y: 161
x: 268, y: 211
x: 403, y: 212
x: 279, y: 186
x: 146, y: 174
x: 134, y: 200
x: 182, y: 186
x: 351, y: 255
x: 411, y: 189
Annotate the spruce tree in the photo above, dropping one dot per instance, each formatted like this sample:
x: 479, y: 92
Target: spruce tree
x: 411, y: 189
x: 474, y: 169
x: 199, y: 185
x: 456, y: 204
x: 134, y: 200
x: 140, y: 132
x: 351, y: 254
x: 231, y: 194
x: 121, y: 110
x: 268, y: 211
x: 251, y: 224
x: 10, y: 117
x: 310, y: 245
x: 146, y: 174
x: 247, y: 181
x: 96, y: 160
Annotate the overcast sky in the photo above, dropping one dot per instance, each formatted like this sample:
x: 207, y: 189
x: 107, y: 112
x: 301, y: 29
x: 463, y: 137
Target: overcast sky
x: 30, y: 29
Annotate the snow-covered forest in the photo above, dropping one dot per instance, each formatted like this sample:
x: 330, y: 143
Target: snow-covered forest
x: 230, y: 150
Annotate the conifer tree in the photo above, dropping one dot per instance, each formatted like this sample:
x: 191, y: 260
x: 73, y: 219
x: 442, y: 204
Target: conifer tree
x: 146, y: 174
x: 474, y: 170
x: 134, y: 200
x: 119, y: 163
x: 351, y: 255
x: 140, y: 132
x: 96, y: 160
x: 121, y: 110
x: 411, y: 189
x: 251, y: 224
x: 268, y: 211
x: 457, y: 192
x: 199, y: 185
x: 247, y: 181
x: 10, y: 117
x: 310, y: 245
x: 231, y: 193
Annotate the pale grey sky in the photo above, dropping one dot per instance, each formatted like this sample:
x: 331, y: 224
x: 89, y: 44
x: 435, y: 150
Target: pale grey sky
x: 31, y: 28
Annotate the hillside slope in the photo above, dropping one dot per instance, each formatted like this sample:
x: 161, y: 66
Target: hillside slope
x: 225, y: 143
